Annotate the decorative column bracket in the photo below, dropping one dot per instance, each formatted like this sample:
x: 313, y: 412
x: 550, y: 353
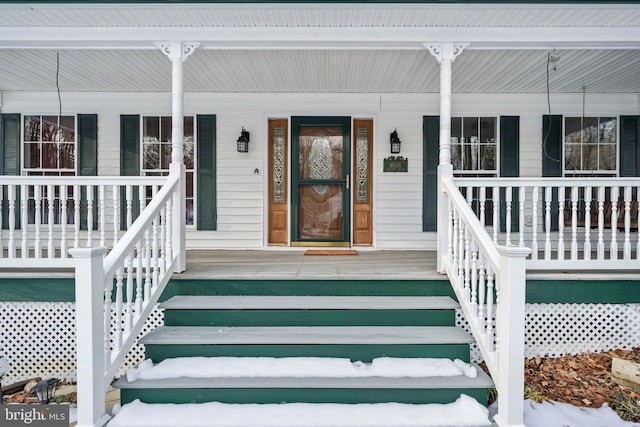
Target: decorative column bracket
x: 178, y: 50
x: 445, y: 51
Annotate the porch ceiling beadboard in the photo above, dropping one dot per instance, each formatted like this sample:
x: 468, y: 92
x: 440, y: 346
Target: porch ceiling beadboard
x: 320, y: 47
x: 320, y: 71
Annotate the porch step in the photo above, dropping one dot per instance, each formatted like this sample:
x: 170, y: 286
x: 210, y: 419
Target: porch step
x: 355, y: 320
x: 363, y: 343
x: 306, y: 389
x: 309, y: 311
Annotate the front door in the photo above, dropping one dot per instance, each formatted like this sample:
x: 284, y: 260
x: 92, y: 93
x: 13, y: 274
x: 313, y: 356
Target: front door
x: 320, y: 181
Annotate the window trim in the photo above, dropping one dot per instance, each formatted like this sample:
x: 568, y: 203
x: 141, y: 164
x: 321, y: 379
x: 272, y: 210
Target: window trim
x: 479, y: 172
x: 41, y: 171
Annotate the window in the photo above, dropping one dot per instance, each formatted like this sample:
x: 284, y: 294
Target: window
x: 49, y: 144
x: 590, y: 146
x: 156, y: 157
x: 474, y: 145
x: 49, y: 149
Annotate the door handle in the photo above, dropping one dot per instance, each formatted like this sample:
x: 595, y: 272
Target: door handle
x: 347, y: 181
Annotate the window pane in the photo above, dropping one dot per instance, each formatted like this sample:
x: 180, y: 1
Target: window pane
x: 67, y: 156
x: 608, y: 130
x: 189, y: 211
x: 68, y: 128
x: 151, y: 126
x: 188, y: 127
x: 189, y: 184
x: 165, y: 129
x: 32, y: 155
x: 488, y: 157
x: 165, y: 155
x: 49, y: 156
x: 470, y: 127
x: 188, y: 152
x: 49, y: 128
x: 456, y: 156
x: 608, y: 157
x: 572, y: 157
x: 456, y: 127
x: 488, y: 129
x: 151, y: 156
x: 32, y: 128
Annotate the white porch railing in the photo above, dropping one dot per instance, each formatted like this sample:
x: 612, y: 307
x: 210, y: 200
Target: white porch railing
x: 569, y: 223
x: 489, y: 283
x: 128, y: 280
x: 43, y: 217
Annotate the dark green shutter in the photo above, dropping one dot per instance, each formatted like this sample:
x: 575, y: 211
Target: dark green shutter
x: 88, y: 162
x: 430, y: 153
x: 552, y: 158
x: 129, y: 161
x: 10, y: 160
x: 510, y: 166
x: 629, y: 146
x: 206, y: 173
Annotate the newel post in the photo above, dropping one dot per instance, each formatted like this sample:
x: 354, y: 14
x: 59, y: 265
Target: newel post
x: 178, y: 52
x: 445, y: 53
x: 90, y: 351
x: 510, y: 318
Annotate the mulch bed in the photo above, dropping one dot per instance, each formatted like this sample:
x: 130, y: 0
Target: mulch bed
x: 581, y: 380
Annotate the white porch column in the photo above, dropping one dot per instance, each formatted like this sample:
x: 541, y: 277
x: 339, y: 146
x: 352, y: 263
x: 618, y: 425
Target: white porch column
x: 445, y: 53
x: 178, y: 52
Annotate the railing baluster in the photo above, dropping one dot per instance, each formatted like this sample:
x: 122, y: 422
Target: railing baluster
x: 483, y: 202
x: 103, y: 216
x: 627, y: 223
x: 107, y: 320
x: 50, y: 220
x: 24, y: 221
x: 38, y: 220
x: 490, y: 313
x: 139, y: 276
x: 12, y: 221
x: 521, y: 200
x: 613, y: 252
x: 467, y: 265
x: 117, y: 342
x: 116, y: 213
x: 637, y: 223
x: 601, y: 195
x: 508, y: 192
x: 587, y: 222
x: 534, y: 223
x: 496, y: 213
x: 574, y: 223
x: 561, y: 196
x: 63, y: 220
x: 450, y: 233
x: 474, y: 278
x: 129, y: 206
x: 129, y: 294
x: 90, y: 225
x: 547, y: 221
x: 2, y: 188
x: 76, y: 215
x: 482, y: 293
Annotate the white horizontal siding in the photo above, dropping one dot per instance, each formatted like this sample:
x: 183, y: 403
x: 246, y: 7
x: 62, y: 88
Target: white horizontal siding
x: 240, y: 192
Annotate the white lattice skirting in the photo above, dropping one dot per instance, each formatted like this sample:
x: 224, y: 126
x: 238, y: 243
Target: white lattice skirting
x: 38, y: 339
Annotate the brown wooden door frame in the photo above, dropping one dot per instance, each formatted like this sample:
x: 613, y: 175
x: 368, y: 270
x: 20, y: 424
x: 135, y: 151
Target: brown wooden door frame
x: 278, y: 203
x: 362, y: 189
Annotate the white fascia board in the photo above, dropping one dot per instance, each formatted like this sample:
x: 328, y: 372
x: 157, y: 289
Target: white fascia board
x: 319, y: 37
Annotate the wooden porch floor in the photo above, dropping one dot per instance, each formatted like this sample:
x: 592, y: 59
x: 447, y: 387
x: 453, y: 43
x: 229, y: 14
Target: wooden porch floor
x: 296, y: 265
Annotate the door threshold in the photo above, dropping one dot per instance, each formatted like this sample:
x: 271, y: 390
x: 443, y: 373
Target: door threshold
x: 331, y: 252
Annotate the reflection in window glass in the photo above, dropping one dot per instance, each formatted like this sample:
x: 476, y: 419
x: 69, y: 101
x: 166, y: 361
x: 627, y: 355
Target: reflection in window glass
x: 590, y: 145
x: 473, y: 145
x: 156, y: 153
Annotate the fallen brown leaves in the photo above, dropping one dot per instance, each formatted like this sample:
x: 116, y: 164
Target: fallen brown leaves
x: 581, y: 380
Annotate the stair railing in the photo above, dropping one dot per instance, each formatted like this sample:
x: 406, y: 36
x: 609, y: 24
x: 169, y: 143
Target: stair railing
x: 489, y: 282
x: 115, y: 295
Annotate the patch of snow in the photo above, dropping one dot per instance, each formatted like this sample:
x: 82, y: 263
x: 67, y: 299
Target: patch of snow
x: 465, y: 411
x: 298, y: 367
x: 556, y: 414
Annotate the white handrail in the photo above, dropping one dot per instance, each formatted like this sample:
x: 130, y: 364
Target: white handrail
x: 121, y: 288
x: 489, y: 283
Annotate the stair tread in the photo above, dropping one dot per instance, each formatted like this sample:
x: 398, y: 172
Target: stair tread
x: 235, y: 302
x: 460, y: 381
x: 307, y: 335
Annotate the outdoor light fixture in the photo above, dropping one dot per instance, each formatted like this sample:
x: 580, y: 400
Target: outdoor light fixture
x: 46, y: 389
x: 243, y: 141
x: 4, y: 368
x: 395, y: 142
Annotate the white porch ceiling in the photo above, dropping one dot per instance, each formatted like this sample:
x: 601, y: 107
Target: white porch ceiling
x: 328, y: 48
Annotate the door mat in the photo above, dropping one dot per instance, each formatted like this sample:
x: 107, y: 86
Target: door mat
x: 330, y: 252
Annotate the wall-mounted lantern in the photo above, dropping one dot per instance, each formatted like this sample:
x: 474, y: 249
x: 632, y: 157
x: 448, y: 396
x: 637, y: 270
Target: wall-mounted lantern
x: 395, y: 142
x: 243, y: 141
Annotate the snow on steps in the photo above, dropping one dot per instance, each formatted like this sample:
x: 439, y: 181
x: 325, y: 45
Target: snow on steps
x: 465, y: 411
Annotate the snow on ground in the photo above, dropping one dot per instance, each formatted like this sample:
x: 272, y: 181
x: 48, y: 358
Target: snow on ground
x: 555, y: 414
x: 463, y: 412
x: 298, y: 367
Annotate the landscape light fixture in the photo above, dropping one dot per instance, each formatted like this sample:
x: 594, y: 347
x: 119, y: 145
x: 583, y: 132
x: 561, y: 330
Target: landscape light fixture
x: 395, y: 142
x: 46, y: 389
x: 243, y: 141
x: 4, y: 368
